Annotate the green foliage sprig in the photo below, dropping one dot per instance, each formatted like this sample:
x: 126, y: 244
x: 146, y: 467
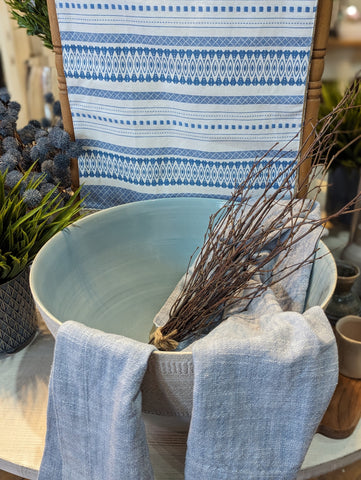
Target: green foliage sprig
x: 33, y: 16
x: 24, y: 230
x: 347, y: 144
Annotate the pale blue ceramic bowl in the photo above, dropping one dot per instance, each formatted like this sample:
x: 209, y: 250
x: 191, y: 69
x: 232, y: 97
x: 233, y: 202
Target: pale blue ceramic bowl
x: 114, y: 269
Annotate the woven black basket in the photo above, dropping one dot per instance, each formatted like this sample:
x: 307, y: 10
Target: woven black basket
x: 18, y: 319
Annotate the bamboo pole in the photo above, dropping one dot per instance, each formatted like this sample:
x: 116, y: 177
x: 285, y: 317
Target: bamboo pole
x: 313, y: 98
x: 63, y: 91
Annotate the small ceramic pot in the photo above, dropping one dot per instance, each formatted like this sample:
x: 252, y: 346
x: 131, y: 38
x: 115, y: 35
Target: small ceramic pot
x: 18, y: 319
x: 344, y: 301
x: 348, y: 336
x: 352, y: 253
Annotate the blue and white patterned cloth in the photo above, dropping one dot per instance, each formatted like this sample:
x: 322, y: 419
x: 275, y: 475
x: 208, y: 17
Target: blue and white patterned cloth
x: 178, y: 97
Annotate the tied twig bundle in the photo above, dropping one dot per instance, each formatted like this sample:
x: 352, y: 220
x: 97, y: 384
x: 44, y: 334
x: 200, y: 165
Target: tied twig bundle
x: 236, y: 248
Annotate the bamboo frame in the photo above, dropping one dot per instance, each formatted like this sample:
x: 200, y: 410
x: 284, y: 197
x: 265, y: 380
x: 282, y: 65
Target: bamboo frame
x: 313, y: 95
x: 63, y: 91
x: 313, y: 98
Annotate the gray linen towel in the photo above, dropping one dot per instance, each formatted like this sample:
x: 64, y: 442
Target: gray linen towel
x: 263, y: 379
x: 94, y: 426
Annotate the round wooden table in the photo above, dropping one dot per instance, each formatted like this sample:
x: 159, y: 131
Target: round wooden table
x: 24, y: 380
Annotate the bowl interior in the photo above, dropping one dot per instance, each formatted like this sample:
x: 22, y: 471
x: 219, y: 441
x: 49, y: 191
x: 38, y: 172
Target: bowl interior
x: 114, y: 269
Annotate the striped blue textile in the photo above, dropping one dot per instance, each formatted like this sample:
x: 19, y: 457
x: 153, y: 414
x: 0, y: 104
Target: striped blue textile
x: 179, y: 97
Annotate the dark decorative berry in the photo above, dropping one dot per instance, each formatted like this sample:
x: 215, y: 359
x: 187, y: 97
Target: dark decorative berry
x: 4, y: 95
x: 26, y: 161
x: 4, y: 167
x: 75, y: 149
x: 57, y: 109
x: 14, y: 106
x: 34, y: 177
x: 12, y: 178
x: 27, y: 134
x: 49, y: 98
x: 10, y: 143
x: 59, y: 138
x: 7, y: 164
x: 47, y: 168
x: 40, y: 133
x: 45, y: 188
x: 62, y: 161
x: 32, y: 198
x: 7, y: 126
x: 63, y: 176
x: 44, y: 145
x: 38, y: 154
x: 45, y: 122
x: 35, y: 123
x: 14, y: 154
x: 10, y: 158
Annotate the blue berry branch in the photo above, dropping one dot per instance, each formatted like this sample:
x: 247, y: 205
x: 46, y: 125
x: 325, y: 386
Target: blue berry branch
x: 43, y: 146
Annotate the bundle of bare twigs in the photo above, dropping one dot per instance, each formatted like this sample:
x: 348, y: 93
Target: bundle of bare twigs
x: 235, y: 244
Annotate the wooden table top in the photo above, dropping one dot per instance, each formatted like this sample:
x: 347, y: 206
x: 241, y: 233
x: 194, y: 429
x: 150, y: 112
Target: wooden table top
x: 24, y: 380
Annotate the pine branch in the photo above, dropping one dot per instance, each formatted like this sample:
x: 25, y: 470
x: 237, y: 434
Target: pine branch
x: 33, y: 16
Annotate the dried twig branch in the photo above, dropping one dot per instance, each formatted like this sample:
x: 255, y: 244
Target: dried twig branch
x: 235, y: 250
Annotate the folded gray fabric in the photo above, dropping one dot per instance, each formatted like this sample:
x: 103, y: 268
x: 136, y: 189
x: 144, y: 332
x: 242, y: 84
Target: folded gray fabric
x: 94, y: 427
x: 291, y: 291
x: 263, y: 379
